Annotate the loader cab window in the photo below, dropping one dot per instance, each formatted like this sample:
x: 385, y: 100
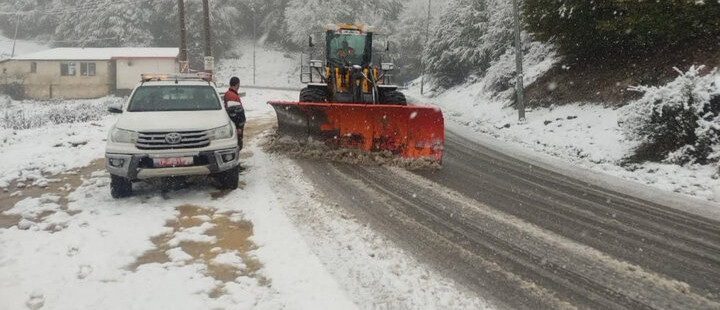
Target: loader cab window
x: 348, y: 47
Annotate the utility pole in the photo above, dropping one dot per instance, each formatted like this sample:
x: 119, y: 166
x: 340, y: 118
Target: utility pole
x: 209, y: 60
x: 252, y: 10
x: 17, y: 25
x: 427, y: 38
x: 519, y: 87
x: 184, y: 65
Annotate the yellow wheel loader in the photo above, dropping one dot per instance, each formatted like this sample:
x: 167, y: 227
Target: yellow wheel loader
x: 353, y: 104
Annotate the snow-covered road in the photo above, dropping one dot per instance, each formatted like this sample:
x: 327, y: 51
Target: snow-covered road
x: 271, y: 244
x: 497, y: 226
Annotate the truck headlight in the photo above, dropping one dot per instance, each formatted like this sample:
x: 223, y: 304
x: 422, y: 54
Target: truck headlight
x: 224, y: 132
x: 123, y: 136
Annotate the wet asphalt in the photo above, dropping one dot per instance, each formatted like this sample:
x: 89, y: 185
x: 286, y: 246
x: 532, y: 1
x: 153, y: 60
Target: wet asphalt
x: 528, y: 237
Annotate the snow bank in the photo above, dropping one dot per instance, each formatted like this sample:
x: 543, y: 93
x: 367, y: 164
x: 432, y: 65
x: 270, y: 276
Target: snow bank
x: 585, y: 135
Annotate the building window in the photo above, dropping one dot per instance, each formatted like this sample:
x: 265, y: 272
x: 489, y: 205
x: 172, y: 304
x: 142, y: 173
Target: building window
x: 33, y: 67
x: 67, y: 69
x: 87, y: 68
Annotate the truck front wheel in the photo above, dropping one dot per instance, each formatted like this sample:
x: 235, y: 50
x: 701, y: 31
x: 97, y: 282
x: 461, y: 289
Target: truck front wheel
x: 228, y: 179
x: 120, y: 187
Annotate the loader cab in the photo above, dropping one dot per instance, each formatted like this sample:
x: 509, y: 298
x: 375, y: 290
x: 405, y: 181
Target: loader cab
x: 348, y: 46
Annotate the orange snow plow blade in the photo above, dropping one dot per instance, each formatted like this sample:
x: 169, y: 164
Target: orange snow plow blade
x: 406, y: 131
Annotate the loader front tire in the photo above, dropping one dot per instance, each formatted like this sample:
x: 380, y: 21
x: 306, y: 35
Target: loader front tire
x: 393, y: 98
x: 313, y: 95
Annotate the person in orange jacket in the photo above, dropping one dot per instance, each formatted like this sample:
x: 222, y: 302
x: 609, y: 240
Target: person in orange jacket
x: 236, y: 113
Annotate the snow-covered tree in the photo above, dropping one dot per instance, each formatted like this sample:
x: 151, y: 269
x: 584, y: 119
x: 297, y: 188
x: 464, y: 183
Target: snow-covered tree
x: 106, y: 23
x: 408, y: 39
x: 32, y: 23
x: 472, y: 33
x: 598, y: 30
x: 306, y: 17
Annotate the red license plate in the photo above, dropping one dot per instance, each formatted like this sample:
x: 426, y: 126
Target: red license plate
x: 172, y: 162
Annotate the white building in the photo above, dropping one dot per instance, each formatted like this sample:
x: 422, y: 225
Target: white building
x: 75, y: 73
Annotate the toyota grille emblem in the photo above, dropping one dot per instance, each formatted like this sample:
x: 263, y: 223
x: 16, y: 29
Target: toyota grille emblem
x: 173, y: 138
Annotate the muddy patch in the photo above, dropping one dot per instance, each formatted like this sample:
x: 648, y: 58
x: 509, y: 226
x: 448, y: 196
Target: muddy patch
x: 58, y: 187
x: 218, y: 240
x: 255, y: 127
x: 318, y: 150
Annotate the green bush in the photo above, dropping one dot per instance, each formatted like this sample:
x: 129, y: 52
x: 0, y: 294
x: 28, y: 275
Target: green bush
x: 612, y: 28
x: 678, y: 122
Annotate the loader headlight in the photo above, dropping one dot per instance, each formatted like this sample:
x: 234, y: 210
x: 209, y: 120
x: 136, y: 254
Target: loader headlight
x: 317, y: 64
x: 224, y: 132
x: 387, y: 66
x: 123, y: 136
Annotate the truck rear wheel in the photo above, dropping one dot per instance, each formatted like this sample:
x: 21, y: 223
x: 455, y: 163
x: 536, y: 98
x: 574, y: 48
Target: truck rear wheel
x: 393, y: 98
x: 313, y: 95
x: 228, y: 179
x: 120, y: 187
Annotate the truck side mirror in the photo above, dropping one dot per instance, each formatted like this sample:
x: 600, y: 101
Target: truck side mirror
x: 310, y: 42
x: 115, y: 108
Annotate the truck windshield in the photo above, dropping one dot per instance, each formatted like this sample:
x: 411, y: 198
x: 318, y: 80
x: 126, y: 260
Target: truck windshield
x: 174, y: 98
x: 347, y: 49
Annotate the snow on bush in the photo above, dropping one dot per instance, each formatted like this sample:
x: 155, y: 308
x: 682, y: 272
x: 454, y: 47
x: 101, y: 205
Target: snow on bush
x: 538, y: 58
x: 677, y: 123
x: 35, y: 114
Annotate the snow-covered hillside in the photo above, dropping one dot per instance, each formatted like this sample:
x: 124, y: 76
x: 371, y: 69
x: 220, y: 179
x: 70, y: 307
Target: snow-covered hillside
x: 21, y: 47
x: 274, y: 68
x: 583, y: 134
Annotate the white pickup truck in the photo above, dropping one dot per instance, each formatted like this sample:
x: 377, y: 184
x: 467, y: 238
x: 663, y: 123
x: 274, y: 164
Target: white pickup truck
x: 172, y: 126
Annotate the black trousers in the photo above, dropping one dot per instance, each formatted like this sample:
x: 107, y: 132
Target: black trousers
x: 237, y: 115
